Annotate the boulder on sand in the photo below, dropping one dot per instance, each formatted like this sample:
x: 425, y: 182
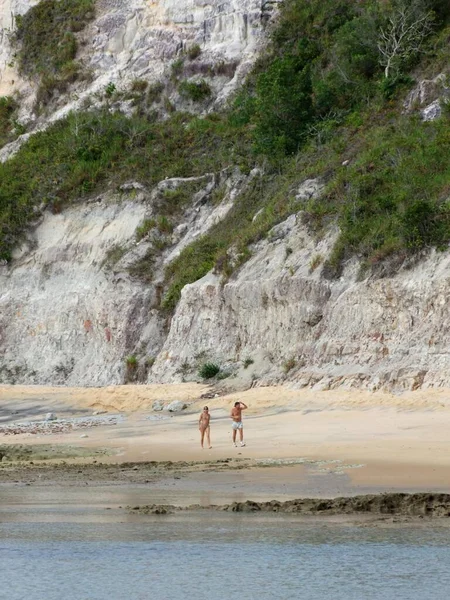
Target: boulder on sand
x: 176, y: 406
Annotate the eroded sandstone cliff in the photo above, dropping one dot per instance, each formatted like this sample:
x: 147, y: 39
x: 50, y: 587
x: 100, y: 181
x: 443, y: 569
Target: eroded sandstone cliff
x: 73, y: 311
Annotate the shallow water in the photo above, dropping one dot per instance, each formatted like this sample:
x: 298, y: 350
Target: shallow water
x: 215, y: 556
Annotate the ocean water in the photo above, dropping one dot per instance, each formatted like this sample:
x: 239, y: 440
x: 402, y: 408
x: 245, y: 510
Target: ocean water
x: 218, y: 556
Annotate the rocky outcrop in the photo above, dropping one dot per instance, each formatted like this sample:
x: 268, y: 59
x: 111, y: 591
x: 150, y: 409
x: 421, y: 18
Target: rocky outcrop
x: 64, y: 316
x: 428, y: 97
x: 398, y: 504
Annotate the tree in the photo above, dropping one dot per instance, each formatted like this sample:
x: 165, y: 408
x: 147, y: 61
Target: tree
x: 403, y: 34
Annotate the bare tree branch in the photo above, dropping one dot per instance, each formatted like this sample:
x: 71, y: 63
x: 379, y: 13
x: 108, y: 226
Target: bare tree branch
x: 403, y: 35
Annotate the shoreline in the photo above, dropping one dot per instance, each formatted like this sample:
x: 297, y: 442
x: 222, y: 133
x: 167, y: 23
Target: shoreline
x: 300, y: 443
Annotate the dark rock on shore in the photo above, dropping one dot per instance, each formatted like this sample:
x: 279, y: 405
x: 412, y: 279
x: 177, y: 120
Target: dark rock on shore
x: 430, y: 504
x: 412, y: 505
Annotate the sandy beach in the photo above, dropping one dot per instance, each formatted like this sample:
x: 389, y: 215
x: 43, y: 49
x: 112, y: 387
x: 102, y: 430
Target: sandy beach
x: 299, y: 443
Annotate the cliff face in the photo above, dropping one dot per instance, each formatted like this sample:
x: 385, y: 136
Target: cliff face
x: 63, y: 318
x: 72, y: 311
x: 140, y: 39
x: 390, y: 333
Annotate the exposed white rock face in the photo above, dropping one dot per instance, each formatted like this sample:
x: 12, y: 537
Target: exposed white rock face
x: 69, y: 310
x: 63, y: 316
x: 432, y: 112
x: 138, y: 39
x: 70, y: 315
x: 389, y: 333
x: 428, y: 96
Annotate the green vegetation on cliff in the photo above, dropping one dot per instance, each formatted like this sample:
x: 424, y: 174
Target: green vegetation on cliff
x: 329, y: 90
x: 46, y: 37
x: 8, y: 125
x: 76, y: 156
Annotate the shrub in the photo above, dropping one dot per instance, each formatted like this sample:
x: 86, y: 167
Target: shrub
x: 289, y: 364
x: 194, y: 51
x: 227, y: 69
x: 131, y: 369
x: 194, y: 91
x: 208, y: 370
x: 132, y: 362
x: 247, y: 362
x: 8, y: 109
x: 174, y: 200
x: 283, y: 104
x: 316, y: 260
x: 110, y: 89
x: 114, y: 254
x: 185, y: 368
x: 195, y: 261
x: 144, y: 267
x: 163, y: 224
x: 139, y: 85
x: 154, y: 93
x: 177, y: 68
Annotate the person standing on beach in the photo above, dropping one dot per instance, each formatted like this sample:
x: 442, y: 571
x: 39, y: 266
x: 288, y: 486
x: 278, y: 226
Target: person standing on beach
x: 204, y: 427
x: 236, y: 416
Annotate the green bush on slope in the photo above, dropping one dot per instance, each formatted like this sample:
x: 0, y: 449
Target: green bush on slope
x: 47, y: 43
x: 323, y: 62
x: 8, y: 108
x: 395, y: 197
x: 46, y: 34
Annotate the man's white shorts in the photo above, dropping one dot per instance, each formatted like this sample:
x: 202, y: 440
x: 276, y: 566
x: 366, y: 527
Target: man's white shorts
x: 237, y: 425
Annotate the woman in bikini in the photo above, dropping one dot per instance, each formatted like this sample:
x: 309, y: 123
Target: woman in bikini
x: 203, y: 425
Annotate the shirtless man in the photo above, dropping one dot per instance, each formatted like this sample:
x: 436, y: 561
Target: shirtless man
x: 204, y: 428
x: 236, y: 415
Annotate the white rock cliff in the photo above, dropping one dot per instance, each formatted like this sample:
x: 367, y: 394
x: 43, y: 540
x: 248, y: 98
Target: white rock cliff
x: 70, y: 312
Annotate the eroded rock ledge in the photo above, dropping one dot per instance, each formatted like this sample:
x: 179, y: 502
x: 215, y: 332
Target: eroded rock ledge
x: 411, y: 505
